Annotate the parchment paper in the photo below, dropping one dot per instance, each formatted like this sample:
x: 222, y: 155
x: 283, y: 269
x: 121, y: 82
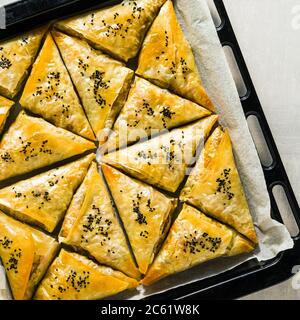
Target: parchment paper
x: 198, y: 26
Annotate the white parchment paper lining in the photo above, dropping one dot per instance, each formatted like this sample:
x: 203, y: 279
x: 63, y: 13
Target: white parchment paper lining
x: 196, y: 21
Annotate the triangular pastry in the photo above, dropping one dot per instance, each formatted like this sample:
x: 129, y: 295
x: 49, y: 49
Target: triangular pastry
x: 45, y: 249
x: 5, y: 106
x: 102, y: 83
x: 148, y: 109
x: 167, y: 59
x: 97, y: 229
x: 49, y: 92
x: 214, y: 186
x: 17, y: 254
x: 75, y: 277
x: 163, y: 160
x: 43, y: 199
x: 145, y: 212
x: 26, y: 254
x: 31, y: 143
x: 193, y: 239
x: 74, y: 209
x: 16, y: 57
x: 117, y: 30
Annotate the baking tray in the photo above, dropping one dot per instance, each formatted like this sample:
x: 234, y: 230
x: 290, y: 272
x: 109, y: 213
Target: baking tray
x: 251, y: 276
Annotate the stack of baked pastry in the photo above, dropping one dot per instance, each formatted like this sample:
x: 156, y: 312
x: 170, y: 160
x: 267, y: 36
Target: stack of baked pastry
x: 164, y: 194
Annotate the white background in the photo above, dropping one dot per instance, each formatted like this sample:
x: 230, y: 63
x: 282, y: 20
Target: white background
x: 270, y: 43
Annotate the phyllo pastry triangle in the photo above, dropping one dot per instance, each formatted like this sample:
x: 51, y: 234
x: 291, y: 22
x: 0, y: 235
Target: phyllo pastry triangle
x: 32, y: 143
x: 26, y: 254
x: 16, y: 57
x: 49, y: 93
x: 17, y: 254
x: 214, y: 186
x: 96, y: 228
x: 5, y: 106
x: 117, y: 30
x: 193, y: 239
x: 75, y: 205
x: 167, y: 59
x: 75, y: 277
x: 148, y: 109
x: 45, y: 249
x: 102, y: 83
x: 145, y: 212
x: 44, y: 199
x: 163, y: 160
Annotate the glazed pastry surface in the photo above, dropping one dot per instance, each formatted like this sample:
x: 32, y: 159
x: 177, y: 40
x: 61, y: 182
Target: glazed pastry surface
x: 75, y: 277
x: 167, y: 59
x: 26, y: 254
x: 5, y: 106
x: 49, y: 93
x: 214, y: 186
x: 117, y: 30
x: 44, y: 199
x: 97, y: 229
x: 163, y: 160
x: 193, y: 239
x: 16, y: 57
x: 102, y: 82
x: 149, y: 110
x: 145, y: 212
x: 32, y: 143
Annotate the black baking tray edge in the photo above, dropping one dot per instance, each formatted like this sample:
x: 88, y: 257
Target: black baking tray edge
x: 251, y: 276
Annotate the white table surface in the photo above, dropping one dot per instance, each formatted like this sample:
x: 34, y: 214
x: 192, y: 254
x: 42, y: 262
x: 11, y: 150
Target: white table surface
x: 268, y: 32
